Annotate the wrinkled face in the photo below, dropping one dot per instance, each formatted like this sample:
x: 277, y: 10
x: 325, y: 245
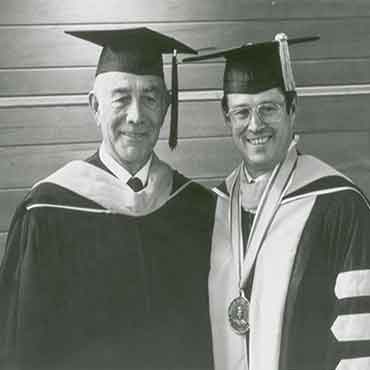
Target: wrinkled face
x: 129, y: 109
x: 261, y: 144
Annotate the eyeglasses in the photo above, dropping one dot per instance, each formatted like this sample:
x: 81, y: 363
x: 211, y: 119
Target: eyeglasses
x: 267, y: 112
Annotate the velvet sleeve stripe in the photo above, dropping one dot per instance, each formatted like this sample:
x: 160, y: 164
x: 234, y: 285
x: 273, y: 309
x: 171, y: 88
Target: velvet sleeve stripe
x: 353, y: 284
x: 352, y: 327
x: 359, y: 363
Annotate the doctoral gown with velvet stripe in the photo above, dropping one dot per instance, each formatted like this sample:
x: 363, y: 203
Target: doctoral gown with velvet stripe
x: 86, y: 290
x: 325, y: 320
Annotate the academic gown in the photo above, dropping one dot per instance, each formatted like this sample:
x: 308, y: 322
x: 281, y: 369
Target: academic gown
x: 82, y: 287
x: 310, y: 307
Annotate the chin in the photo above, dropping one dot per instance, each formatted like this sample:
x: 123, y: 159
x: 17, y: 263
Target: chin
x: 260, y: 165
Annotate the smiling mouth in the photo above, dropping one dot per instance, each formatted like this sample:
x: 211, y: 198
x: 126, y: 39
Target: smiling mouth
x: 259, y: 140
x: 134, y: 135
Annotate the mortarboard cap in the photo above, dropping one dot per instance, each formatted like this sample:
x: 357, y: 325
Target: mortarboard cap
x: 138, y: 51
x: 256, y: 67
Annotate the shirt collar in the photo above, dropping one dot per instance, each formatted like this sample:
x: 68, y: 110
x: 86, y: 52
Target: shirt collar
x: 259, y: 178
x: 119, y: 171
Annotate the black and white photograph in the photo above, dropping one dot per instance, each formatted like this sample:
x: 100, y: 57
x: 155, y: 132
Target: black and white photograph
x: 184, y: 185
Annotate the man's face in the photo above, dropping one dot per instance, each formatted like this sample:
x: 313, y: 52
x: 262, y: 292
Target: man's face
x: 129, y: 110
x: 261, y: 144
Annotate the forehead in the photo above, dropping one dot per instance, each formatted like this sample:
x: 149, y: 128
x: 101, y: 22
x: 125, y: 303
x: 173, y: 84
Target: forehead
x: 271, y: 95
x: 115, y: 81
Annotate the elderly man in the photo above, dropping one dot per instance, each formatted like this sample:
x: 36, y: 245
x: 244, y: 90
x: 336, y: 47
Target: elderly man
x: 106, y: 263
x: 291, y: 243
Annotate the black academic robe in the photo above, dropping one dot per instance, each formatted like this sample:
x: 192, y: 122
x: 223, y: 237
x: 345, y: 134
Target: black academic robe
x: 82, y: 289
x: 310, y: 307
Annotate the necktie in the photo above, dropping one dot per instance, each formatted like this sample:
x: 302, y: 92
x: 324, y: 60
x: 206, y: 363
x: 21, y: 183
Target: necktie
x: 135, y: 184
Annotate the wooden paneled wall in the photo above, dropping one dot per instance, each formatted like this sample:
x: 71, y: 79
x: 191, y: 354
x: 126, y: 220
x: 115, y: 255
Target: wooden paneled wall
x: 45, y: 76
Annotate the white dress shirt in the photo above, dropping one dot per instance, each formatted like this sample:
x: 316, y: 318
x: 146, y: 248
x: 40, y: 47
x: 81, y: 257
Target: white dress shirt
x: 259, y: 178
x: 120, y: 172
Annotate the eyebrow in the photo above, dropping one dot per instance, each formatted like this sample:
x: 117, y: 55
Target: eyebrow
x: 244, y: 105
x: 127, y: 90
x: 150, y: 89
x: 121, y: 91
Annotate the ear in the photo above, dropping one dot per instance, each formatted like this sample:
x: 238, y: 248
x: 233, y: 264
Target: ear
x: 224, y: 109
x: 94, y: 106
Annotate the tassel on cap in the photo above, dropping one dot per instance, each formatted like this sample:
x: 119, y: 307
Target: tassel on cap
x: 172, y: 141
x: 286, y: 65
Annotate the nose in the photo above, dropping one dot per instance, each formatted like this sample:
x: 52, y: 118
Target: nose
x: 255, y: 123
x: 133, y: 113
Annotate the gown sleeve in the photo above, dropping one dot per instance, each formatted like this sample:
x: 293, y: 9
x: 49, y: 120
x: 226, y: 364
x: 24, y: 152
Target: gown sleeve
x: 349, y: 254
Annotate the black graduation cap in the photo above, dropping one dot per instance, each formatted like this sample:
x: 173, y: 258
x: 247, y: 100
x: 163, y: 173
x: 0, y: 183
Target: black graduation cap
x: 138, y: 51
x: 256, y: 67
